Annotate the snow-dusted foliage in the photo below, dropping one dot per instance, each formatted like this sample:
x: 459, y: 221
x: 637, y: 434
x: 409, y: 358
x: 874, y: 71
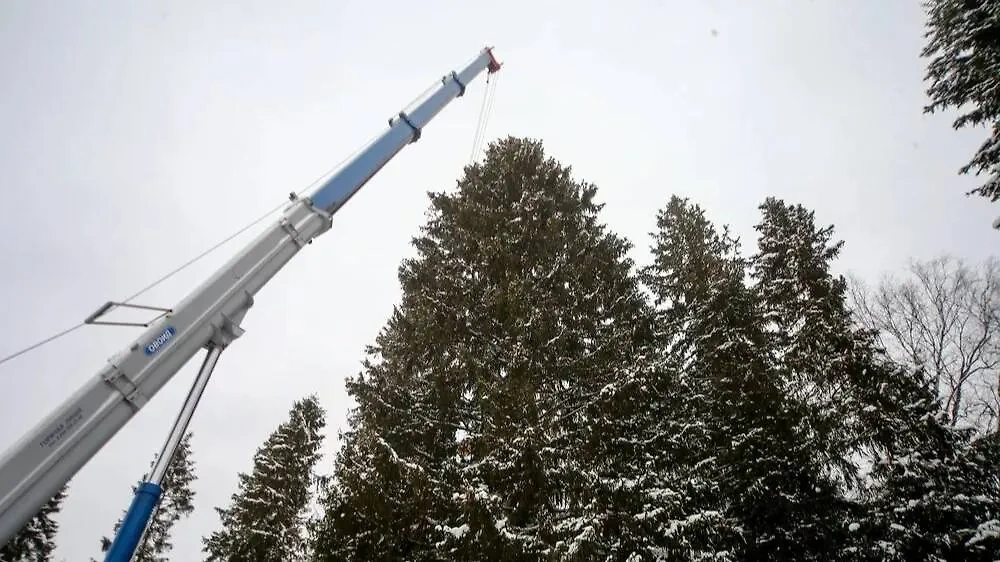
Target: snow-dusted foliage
x: 36, y: 541
x: 531, y: 398
x: 176, y: 502
x: 963, y: 48
x: 937, y: 495
x: 931, y: 492
x: 268, y: 516
x: 828, y: 368
x: 484, y: 427
x: 763, y: 487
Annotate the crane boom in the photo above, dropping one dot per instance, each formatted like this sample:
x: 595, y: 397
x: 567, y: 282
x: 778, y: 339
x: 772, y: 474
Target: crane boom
x: 47, y: 457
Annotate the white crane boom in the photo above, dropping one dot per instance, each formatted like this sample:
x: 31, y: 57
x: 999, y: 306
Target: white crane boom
x: 48, y: 456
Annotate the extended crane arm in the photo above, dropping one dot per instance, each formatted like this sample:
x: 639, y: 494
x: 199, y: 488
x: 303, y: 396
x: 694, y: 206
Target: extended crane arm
x: 37, y: 466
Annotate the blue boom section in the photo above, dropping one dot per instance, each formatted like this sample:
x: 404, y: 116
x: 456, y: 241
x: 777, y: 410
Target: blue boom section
x: 134, y: 524
x: 404, y: 129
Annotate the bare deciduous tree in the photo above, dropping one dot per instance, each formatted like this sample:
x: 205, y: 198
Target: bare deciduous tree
x: 943, y: 318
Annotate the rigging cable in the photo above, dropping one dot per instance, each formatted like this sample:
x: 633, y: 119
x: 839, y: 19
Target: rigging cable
x: 484, y: 115
x: 487, y: 112
x: 192, y: 261
x: 489, y: 108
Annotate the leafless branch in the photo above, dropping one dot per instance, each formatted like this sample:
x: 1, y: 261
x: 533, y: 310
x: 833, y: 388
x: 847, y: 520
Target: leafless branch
x: 942, y: 316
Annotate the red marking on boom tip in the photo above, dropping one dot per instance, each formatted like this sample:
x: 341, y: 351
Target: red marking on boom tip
x: 494, y: 63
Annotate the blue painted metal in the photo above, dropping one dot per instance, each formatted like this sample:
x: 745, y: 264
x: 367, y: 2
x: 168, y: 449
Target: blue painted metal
x: 134, y: 524
x: 404, y: 129
x: 161, y: 340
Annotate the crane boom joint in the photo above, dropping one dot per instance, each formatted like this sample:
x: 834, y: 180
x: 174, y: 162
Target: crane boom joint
x: 406, y: 119
x: 129, y: 390
x: 458, y: 81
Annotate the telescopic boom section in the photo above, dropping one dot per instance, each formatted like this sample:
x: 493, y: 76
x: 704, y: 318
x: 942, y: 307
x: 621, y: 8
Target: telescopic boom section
x: 37, y: 466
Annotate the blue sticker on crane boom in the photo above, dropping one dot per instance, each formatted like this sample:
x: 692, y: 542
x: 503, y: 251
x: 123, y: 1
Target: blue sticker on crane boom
x: 160, y: 340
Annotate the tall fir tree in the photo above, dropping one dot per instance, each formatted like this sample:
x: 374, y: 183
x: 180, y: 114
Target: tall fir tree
x: 685, y: 516
x: 35, y: 542
x: 765, y: 494
x: 176, y: 503
x: 827, y: 365
x: 963, y: 48
x: 268, y: 517
x: 483, y: 417
x: 931, y: 493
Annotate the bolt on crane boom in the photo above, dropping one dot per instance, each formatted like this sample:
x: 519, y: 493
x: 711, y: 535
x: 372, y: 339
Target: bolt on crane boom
x: 47, y: 457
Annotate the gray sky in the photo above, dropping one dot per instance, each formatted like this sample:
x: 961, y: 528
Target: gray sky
x: 133, y: 135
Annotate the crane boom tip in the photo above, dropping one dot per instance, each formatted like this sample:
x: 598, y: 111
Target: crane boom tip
x: 494, y: 63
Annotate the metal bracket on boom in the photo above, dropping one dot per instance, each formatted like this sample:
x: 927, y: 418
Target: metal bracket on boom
x: 293, y: 232
x: 125, y: 386
x: 461, y: 86
x: 326, y: 216
x: 227, y: 331
x: 95, y: 318
x: 406, y: 119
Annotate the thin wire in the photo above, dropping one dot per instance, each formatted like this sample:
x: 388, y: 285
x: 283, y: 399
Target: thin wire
x: 257, y: 221
x: 486, y: 113
x: 216, y: 246
x: 489, y: 111
x: 484, y: 116
x: 41, y: 343
x: 481, y: 121
x: 477, y: 143
x: 191, y: 262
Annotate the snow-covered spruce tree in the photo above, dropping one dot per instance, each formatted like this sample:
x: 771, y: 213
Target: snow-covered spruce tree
x: 826, y: 363
x: 35, y: 542
x: 963, y: 48
x: 684, y: 514
x: 267, y: 518
x: 936, y: 496
x: 932, y: 493
x: 753, y: 465
x: 176, y: 502
x: 829, y: 367
x: 482, y: 430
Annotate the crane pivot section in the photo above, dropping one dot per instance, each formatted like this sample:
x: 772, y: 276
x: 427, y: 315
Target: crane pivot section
x: 47, y: 457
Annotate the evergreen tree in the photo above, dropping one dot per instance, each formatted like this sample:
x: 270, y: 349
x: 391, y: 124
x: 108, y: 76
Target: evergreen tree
x: 267, y: 519
x: 832, y: 371
x: 35, y: 542
x: 766, y: 495
x: 937, y: 493
x: 679, y: 440
x: 176, y: 502
x: 827, y: 366
x: 963, y: 45
x: 483, y: 427
x: 931, y: 493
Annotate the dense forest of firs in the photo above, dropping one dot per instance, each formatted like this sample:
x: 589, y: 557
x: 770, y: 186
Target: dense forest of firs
x: 536, y: 395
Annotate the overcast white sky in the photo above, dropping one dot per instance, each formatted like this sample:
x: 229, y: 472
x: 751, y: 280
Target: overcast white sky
x: 135, y: 134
